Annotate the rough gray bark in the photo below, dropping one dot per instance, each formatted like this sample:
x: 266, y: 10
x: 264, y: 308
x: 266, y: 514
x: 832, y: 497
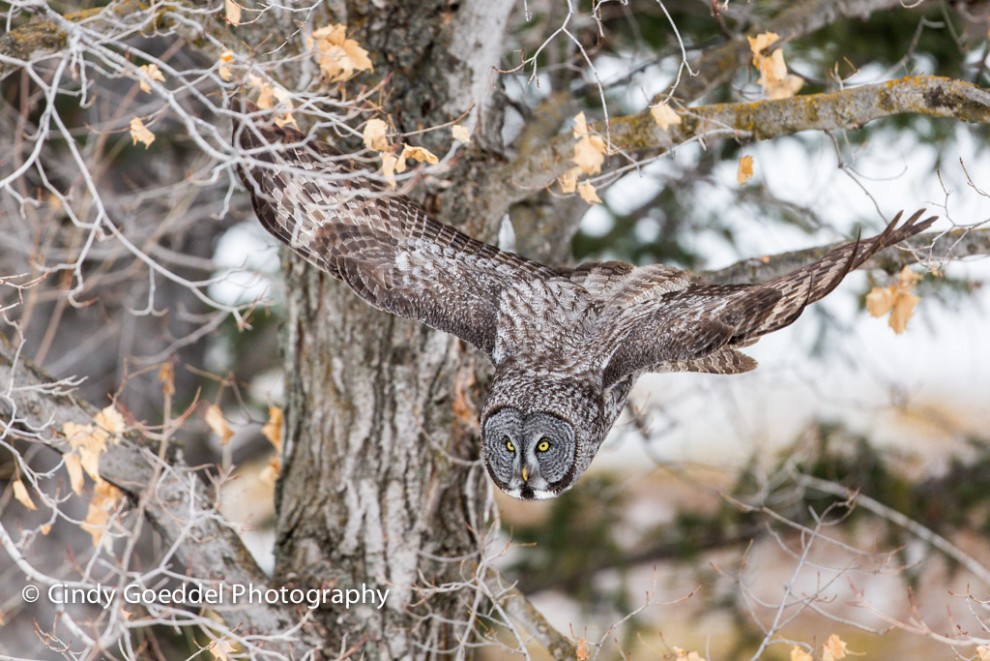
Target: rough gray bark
x: 381, y: 483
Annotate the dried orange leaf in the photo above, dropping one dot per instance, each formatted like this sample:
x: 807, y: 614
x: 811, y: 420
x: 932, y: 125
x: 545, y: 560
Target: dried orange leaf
x: 273, y: 428
x: 460, y: 133
x: 776, y: 82
x: 420, y: 154
x: 798, y: 654
x: 580, y: 129
x: 140, y: 133
x: 73, y: 466
x: 225, y: 71
x: 880, y: 301
x: 759, y: 42
x: 389, y: 163
x: 983, y: 652
x: 109, y: 419
x: 374, y: 135
x: 688, y: 656
x: 664, y: 115
x: 285, y: 101
x: 153, y: 73
x: 745, y: 171
x: 834, y: 648
x: 21, y: 494
x: 898, y: 299
x: 357, y: 55
x: 269, y: 94
x: 232, y: 11
x: 582, y: 650
x: 221, y: 649
x: 105, y: 499
x: 89, y: 442
x: 901, y: 314
x: 589, y: 150
x: 218, y: 424
x: 166, y: 376
x: 568, y: 180
x: 589, y: 154
x: 339, y: 58
x: 785, y: 88
x: 588, y: 193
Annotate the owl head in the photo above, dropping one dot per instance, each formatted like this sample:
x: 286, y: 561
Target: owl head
x: 538, y: 438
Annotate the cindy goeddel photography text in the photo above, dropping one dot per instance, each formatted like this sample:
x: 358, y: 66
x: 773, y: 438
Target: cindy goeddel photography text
x: 215, y: 594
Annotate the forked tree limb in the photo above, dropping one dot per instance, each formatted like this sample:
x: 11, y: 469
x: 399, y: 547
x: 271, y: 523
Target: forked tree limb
x: 180, y: 510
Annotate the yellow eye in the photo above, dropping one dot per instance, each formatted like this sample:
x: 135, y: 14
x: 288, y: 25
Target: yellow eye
x: 543, y: 445
x: 509, y: 445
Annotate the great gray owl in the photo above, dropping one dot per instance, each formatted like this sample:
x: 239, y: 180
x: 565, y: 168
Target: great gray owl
x: 567, y: 343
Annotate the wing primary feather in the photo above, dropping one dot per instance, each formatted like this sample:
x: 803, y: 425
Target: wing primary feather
x: 657, y: 327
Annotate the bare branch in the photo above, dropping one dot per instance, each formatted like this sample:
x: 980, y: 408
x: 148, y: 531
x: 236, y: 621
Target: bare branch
x: 517, y: 605
x: 204, y: 545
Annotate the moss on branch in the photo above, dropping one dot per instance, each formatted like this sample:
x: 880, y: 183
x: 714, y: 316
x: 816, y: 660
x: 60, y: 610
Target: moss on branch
x: 933, y: 96
x: 43, y: 36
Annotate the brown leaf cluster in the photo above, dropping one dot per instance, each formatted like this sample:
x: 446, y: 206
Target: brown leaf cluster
x: 272, y: 96
x: 340, y: 58
x: 588, y: 158
x: 88, y: 442
x: 898, y: 300
x: 776, y: 82
x: 376, y: 139
x: 150, y: 72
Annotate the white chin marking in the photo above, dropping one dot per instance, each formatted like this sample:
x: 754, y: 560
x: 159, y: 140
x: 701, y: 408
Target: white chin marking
x: 538, y: 494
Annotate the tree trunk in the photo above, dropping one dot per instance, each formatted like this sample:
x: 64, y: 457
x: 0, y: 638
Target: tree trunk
x: 381, y: 484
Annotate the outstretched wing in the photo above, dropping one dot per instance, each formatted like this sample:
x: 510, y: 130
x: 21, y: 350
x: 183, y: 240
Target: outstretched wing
x: 390, y: 252
x: 663, y: 320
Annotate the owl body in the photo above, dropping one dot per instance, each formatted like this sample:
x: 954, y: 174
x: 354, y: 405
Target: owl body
x: 567, y: 343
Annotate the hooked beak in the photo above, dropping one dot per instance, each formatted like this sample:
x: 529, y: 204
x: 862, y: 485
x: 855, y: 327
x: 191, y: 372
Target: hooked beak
x: 525, y: 474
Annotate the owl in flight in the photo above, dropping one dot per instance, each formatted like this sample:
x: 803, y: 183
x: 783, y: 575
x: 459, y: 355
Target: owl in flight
x: 567, y: 343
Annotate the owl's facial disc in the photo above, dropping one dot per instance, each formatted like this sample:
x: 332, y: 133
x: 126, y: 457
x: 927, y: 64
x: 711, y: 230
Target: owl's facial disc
x: 529, y: 456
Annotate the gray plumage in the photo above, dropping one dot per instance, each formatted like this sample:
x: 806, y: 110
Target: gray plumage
x: 567, y: 343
